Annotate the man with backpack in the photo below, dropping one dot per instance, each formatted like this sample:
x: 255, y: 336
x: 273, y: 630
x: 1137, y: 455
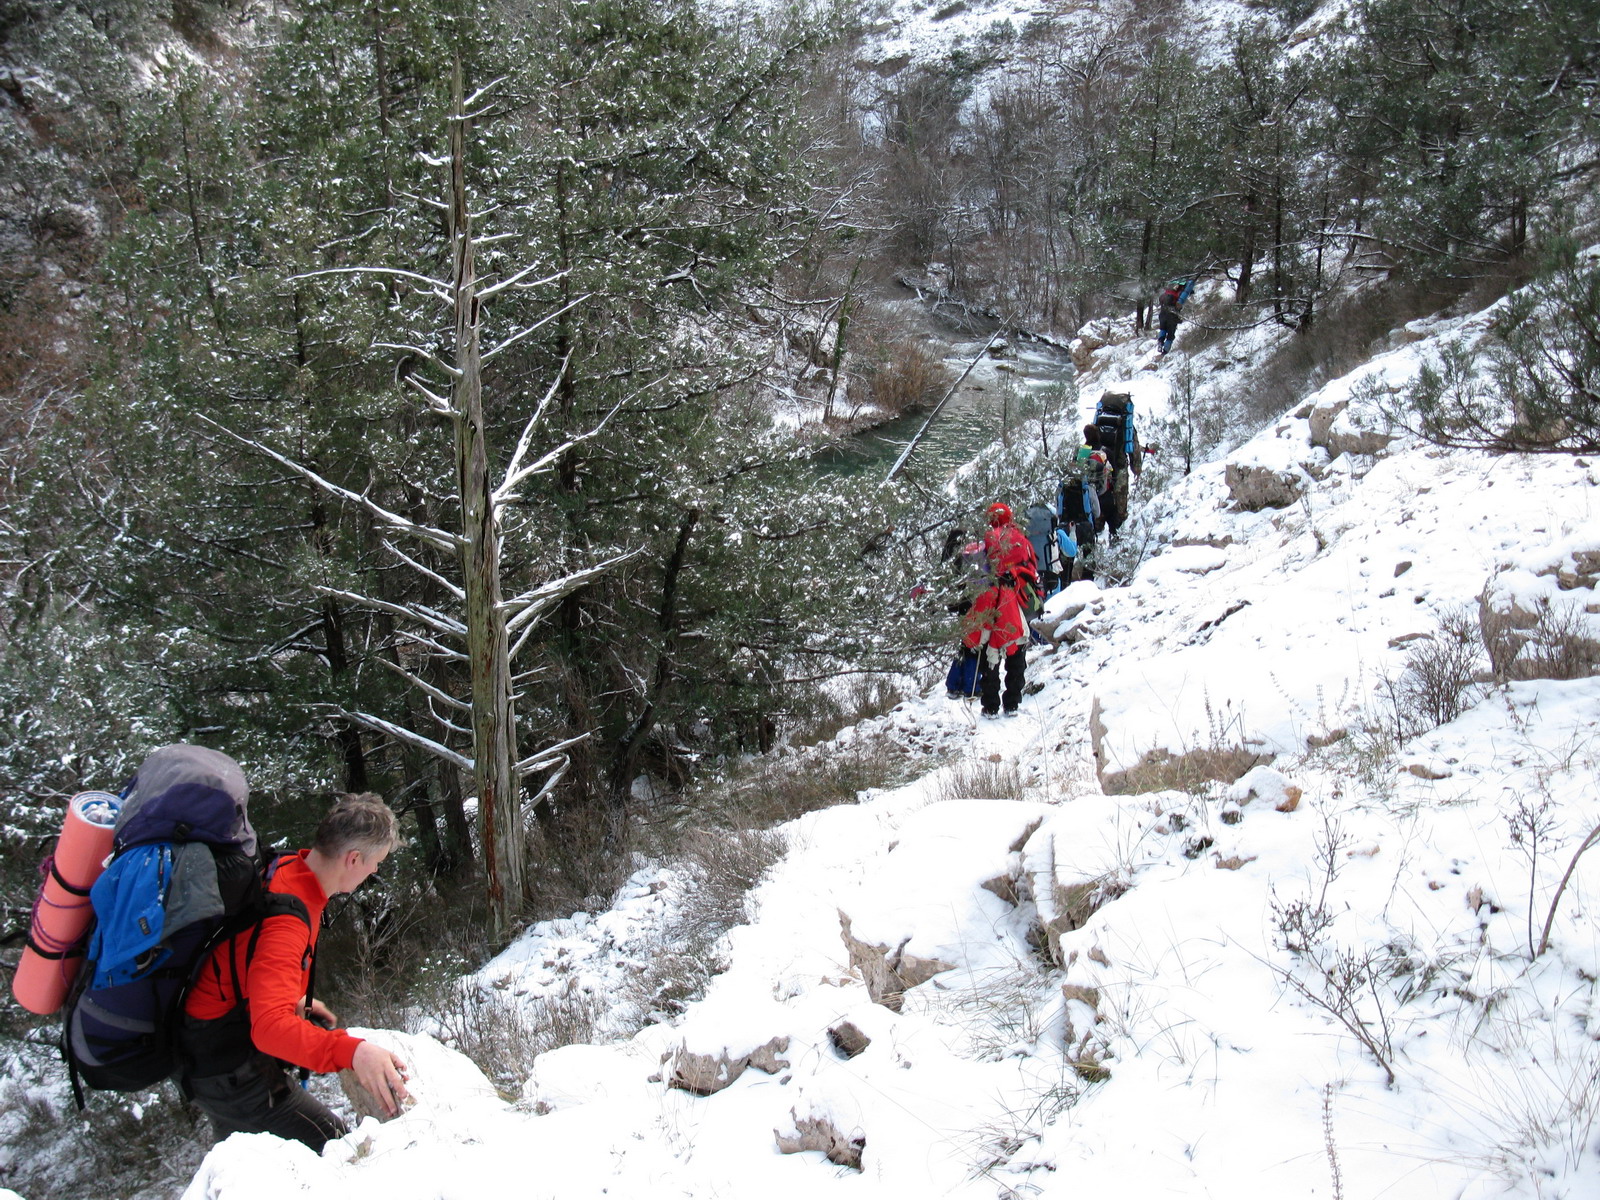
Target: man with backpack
x: 1167, y: 315
x: 249, y: 1010
x: 1119, y: 439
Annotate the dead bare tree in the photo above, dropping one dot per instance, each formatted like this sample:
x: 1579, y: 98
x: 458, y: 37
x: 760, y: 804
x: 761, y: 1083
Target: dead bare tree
x: 484, y: 635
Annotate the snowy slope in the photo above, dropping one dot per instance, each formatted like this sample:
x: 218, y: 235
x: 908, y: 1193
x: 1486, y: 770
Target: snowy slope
x: 1317, y: 981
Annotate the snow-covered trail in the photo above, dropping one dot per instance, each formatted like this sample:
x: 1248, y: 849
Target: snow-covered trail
x: 1318, y: 980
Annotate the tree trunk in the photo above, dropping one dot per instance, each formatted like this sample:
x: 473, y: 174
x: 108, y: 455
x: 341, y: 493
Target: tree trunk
x: 494, y: 754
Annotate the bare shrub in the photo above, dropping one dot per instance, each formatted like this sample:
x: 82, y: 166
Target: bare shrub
x: 910, y: 376
x: 862, y: 697
x: 1351, y: 986
x: 1560, y: 646
x: 1440, y: 673
x: 139, y: 1146
x: 723, y: 866
x: 503, y: 1034
x: 772, y: 789
x: 1556, y: 642
x: 1339, y: 340
x: 983, y: 779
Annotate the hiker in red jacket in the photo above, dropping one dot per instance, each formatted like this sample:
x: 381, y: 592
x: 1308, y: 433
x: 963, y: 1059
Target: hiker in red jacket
x: 996, y: 625
x: 247, y: 1013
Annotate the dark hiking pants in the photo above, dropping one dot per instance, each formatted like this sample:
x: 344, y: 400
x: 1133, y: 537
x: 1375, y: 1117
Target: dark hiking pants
x: 260, y: 1097
x: 1115, y: 501
x: 989, y: 681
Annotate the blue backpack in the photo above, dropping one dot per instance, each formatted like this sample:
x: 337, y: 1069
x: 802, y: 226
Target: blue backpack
x: 184, y: 876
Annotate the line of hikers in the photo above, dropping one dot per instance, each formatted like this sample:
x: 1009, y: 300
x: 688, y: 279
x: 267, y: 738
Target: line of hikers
x: 1016, y: 570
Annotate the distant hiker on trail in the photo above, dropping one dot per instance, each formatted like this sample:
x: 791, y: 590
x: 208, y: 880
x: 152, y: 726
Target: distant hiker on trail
x: 996, y: 625
x: 250, y: 1010
x: 1172, y: 298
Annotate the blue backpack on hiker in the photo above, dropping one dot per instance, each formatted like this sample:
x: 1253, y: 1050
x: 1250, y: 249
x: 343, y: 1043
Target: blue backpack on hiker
x: 184, y: 875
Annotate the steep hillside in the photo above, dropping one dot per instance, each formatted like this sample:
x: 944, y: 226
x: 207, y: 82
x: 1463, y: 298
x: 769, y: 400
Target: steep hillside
x: 1277, y: 888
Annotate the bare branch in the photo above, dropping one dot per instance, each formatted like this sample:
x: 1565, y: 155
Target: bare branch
x: 431, y: 646
x: 436, y: 538
x: 495, y: 289
x: 513, y: 475
x: 534, y: 328
x: 532, y: 605
x: 507, y: 491
x: 433, y: 286
x: 423, y: 569
x: 437, y: 622
x: 549, y: 756
x: 400, y: 733
x: 422, y: 685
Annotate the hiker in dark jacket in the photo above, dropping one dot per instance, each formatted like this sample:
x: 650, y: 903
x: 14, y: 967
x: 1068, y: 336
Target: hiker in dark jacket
x: 247, y: 1015
x: 1167, y: 315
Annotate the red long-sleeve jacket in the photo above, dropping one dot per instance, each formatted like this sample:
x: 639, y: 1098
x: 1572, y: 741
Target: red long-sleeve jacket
x: 274, y: 981
x: 996, y: 613
x: 1010, y: 552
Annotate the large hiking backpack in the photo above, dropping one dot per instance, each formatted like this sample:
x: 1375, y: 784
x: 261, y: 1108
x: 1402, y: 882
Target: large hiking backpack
x: 1113, y: 416
x: 184, y: 875
x: 1073, y: 505
x: 1042, y: 535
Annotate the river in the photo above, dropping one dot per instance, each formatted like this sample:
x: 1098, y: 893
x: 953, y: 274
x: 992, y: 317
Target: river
x: 982, y: 409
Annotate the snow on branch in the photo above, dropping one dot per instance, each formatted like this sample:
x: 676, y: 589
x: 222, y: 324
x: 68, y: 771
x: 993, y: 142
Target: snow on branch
x: 433, y: 647
x: 515, y: 475
x: 535, y: 327
x: 436, y: 538
x: 434, y: 286
x: 495, y: 289
x: 422, y: 685
x: 421, y: 352
x: 435, y: 621
x: 531, y: 605
x: 467, y: 104
x: 424, y: 570
x: 550, y: 784
x: 549, y: 756
x: 402, y: 734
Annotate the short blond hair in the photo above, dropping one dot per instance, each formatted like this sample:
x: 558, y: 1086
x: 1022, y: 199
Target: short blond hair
x: 357, y: 822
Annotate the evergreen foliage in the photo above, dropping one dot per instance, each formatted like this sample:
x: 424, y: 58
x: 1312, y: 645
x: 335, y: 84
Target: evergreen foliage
x: 1532, y: 385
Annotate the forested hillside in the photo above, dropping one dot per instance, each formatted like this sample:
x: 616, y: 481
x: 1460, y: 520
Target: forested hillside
x: 424, y: 397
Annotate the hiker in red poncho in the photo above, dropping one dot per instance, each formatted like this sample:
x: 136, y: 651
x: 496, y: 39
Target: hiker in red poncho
x: 996, y: 625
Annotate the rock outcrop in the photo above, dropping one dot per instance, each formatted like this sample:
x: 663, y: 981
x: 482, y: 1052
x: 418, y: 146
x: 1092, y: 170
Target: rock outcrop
x: 706, y: 1074
x: 819, y: 1133
x: 888, y: 973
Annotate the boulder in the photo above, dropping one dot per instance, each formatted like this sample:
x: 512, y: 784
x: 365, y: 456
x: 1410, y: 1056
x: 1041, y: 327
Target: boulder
x: 1254, y: 486
x: 848, y: 1039
x: 437, y: 1077
x: 706, y: 1074
x: 819, y: 1133
x: 888, y: 974
x: 1340, y: 428
x: 1266, y: 784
